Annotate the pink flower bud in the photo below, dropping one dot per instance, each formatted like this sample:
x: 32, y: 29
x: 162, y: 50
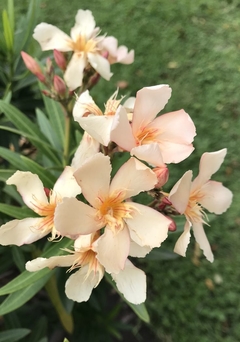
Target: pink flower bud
x: 47, y: 93
x: 47, y: 191
x: 32, y: 66
x: 172, y: 227
x: 162, y: 174
x: 59, y: 85
x: 60, y: 59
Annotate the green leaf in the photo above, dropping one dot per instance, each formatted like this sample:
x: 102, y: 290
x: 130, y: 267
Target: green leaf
x: 5, y: 174
x: 11, y: 14
x: 7, y: 31
x: 18, y: 298
x: 18, y: 258
x: 13, y: 335
x: 140, y: 309
x: 26, y: 278
x: 44, y: 147
x: 16, y: 212
x: 13, y: 158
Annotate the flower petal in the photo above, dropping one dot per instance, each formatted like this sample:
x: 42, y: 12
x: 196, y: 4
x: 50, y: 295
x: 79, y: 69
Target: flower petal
x: 216, y: 198
x: 100, y: 64
x: 73, y: 218
x: 138, y: 251
x: 131, y: 282
x: 183, y: 241
x: 147, y: 226
x: 121, y: 132
x: 99, y: 127
x: 202, y: 240
x: 21, y: 232
x: 79, y: 285
x: 209, y: 164
x: 79, y: 108
x: 151, y: 153
x: 88, y: 147
x: 176, y: 133
x: 94, y: 178
x: 55, y: 261
x: 149, y: 102
x: 66, y: 185
x: 113, y: 249
x: 30, y: 188
x: 50, y: 38
x: 133, y: 177
x: 74, y: 73
x: 123, y: 56
x: 179, y: 195
x: 84, y: 25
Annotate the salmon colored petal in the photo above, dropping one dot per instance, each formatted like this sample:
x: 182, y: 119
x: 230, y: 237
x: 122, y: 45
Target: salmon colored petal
x: 123, y: 56
x: 147, y: 226
x: 149, y: 102
x: 79, y: 285
x: 150, y: 153
x: 55, y: 261
x: 100, y: 64
x: 183, y: 241
x: 66, y: 185
x: 74, y: 73
x: 30, y: 188
x: 73, y: 218
x: 113, y: 249
x: 121, y: 132
x: 202, y: 240
x: 133, y: 177
x: 88, y: 147
x: 94, y: 178
x: 209, y: 164
x: 138, y: 251
x: 99, y: 127
x: 21, y: 232
x: 131, y: 282
x: 50, y: 37
x: 216, y: 198
x: 179, y: 195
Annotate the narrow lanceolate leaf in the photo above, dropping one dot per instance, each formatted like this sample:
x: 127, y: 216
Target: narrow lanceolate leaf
x: 11, y: 14
x: 13, y: 335
x: 43, y: 146
x: 7, y: 31
x: 18, y: 298
x: 13, y: 158
x: 16, y: 212
x: 5, y: 174
x: 27, y: 278
x: 20, y: 120
x: 140, y: 309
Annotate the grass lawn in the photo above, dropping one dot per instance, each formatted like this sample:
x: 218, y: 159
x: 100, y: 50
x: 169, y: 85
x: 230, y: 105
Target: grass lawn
x: 194, y: 46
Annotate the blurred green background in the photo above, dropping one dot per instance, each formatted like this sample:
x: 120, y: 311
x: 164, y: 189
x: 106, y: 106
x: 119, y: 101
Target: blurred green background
x: 194, y: 46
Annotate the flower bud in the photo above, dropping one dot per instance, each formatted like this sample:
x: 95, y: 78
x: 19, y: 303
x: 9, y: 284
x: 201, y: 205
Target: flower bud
x: 32, y: 66
x: 59, y: 85
x: 60, y: 59
x: 172, y: 227
x: 49, y: 66
x: 162, y: 174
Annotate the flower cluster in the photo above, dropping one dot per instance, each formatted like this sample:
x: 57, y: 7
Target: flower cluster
x: 106, y: 223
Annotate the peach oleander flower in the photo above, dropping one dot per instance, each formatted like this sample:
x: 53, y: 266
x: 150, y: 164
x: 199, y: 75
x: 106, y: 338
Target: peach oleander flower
x: 117, y: 54
x: 131, y: 281
x: 90, y: 117
x: 190, y: 198
x: 173, y: 132
x: 124, y: 221
x: 83, y: 42
x: 30, y: 187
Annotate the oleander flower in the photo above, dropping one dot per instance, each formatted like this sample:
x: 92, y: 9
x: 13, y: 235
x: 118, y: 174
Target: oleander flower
x: 83, y: 41
x: 190, y: 199
x: 131, y: 281
x: 124, y: 221
x: 117, y: 54
x: 42, y: 201
x: 173, y: 132
x: 90, y: 117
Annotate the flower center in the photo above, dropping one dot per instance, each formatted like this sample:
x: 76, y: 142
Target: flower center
x: 146, y: 136
x: 113, y: 210
x: 194, y: 211
x: 83, y: 45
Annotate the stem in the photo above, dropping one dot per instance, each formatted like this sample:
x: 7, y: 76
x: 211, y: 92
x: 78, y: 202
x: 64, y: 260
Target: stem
x: 66, y: 139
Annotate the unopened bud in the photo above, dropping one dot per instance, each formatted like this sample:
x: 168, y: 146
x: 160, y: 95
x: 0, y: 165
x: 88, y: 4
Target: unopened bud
x: 49, y: 66
x: 94, y: 80
x: 32, y: 66
x: 47, y: 191
x: 164, y: 203
x: 162, y: 174
x: 59, y: 85
x: 47, y: 93
x: 172, y: 227
x: 60, y: 59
